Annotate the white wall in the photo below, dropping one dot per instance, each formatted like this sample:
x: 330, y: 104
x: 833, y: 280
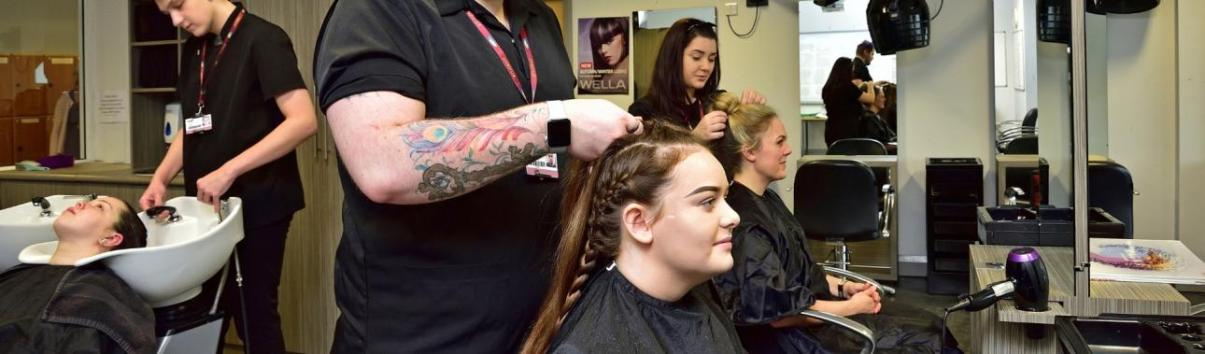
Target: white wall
x: 768, y: 61
x: 945, y: 109
x: 106, y: 68
x: 39, y: 27
x: 1142, y: 112
x: 1054, y: 119
x: 1191, y: 79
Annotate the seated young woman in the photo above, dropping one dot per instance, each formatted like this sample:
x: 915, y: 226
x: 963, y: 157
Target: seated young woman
x: 874, y: 124
x: 774, y: 275
x: 645, y: 228
x: 60, y: 308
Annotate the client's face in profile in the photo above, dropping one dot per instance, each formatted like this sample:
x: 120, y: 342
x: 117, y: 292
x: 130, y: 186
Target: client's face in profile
x: 91, y: 221
x: 694, y: 231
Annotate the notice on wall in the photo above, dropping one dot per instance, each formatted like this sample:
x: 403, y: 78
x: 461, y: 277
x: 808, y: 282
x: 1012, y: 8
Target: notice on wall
x: 602, y: 55
x: 113, y: 107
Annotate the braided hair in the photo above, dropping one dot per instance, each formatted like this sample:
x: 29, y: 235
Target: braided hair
x: 634, y: 169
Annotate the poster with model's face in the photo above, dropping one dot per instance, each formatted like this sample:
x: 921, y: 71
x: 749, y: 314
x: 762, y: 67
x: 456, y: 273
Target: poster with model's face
x: 602, y: 55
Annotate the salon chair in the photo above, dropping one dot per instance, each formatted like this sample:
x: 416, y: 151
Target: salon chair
x: 838, y: 201
x: 1110, y: 187
x: 1008, y: 131
x: 857, y: 146
x: 1023, y: 145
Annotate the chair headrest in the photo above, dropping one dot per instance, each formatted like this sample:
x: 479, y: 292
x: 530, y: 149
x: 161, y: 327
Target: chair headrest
x: 857, y: 146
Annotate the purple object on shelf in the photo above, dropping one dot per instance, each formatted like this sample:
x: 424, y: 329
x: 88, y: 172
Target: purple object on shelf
x: 1022, y: 255
x: 57, y: 161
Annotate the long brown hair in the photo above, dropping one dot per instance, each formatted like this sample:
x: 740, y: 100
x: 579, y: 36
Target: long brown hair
x: 633, y: 169
x: 746, y: 123
x: 667, y: 91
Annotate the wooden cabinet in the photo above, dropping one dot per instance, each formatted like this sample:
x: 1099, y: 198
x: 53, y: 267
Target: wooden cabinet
x: 31, y: 138
x: 6, y: 142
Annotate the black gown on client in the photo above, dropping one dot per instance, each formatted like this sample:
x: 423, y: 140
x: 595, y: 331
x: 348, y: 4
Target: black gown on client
x: 774, y: 276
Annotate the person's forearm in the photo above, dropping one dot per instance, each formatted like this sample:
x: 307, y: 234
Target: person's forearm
x: 172, y: 162
x: 282, y: 140
x: 431, y: 160
x: 832, y: 285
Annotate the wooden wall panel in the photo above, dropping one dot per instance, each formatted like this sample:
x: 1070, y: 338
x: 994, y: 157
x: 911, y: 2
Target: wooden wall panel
x: 307, y: 300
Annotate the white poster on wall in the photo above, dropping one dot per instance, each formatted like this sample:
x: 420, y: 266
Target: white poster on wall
x: 113, y: 107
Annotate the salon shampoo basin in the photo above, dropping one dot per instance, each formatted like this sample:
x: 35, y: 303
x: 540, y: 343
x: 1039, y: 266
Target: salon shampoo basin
x: 23, y: 225
x: 180, y: 255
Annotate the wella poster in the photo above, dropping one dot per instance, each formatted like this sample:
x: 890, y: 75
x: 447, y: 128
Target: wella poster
x: 602, y: 55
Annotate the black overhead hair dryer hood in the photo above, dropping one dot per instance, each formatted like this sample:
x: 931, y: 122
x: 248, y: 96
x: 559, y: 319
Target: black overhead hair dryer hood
x: 897, y: 25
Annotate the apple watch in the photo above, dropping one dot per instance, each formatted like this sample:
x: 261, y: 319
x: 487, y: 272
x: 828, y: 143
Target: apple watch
x: 558, y: 127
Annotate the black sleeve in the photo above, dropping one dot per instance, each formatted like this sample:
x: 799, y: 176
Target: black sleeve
x: 371, y: 45
x: 276, y: 64
x: 862, y: 72
x: 641, y: 108
x: 757, y: 290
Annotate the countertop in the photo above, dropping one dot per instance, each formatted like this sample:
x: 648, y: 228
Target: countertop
x: 88, y: 172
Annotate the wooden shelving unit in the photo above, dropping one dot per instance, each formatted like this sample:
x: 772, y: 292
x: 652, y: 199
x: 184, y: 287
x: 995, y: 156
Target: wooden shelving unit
x: 155, y: 50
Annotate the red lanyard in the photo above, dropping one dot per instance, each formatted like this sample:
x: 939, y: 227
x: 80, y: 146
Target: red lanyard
x: 514, y: 77
x: 221, y: 50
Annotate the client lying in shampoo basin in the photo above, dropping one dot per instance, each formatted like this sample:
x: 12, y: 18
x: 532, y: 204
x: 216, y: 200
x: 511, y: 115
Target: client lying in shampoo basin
x: 60, y: 308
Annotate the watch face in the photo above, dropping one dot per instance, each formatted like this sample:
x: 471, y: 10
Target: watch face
x: 558, y: 133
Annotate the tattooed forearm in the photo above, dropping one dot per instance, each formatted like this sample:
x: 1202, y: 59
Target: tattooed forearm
x: 442, y: 181
x: 458, y: 156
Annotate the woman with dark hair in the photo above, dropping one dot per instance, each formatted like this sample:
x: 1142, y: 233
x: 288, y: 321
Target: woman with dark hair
x: 61, y: 308
x: 843, y: 102
x: 873, y: 124
x: 686, y: 78
x: 645, y: 228
x: 609, y: 42
x: 775, y: 276
x: 889, y: 111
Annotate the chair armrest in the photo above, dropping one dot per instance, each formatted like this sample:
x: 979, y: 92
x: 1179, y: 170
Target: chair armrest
x: 883, y: 289
x: 1196, y: 310
x: 885, y: 214
x: 847, y: 324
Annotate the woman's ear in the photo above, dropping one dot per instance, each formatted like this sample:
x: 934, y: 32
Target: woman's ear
x: 637, y: 220
x: 748, y: 154
x: 111, y: 240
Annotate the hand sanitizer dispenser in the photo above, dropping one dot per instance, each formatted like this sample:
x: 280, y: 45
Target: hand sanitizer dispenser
x: 171, y: 122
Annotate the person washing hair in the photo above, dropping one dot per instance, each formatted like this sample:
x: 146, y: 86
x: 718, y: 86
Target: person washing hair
x: 247, y: 109
x: 775, y: 275
x: 686, y: 77
x: 61, y: 308
x: 645, y: 227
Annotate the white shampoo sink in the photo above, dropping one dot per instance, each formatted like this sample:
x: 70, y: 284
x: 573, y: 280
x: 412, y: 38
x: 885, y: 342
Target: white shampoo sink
x: 23, y: 225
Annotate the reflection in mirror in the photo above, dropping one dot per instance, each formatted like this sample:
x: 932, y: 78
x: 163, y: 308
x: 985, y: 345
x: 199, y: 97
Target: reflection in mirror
x: 1027, y: 74
x: 847, y: 91
x: 39, y: 80
x: 651, y: 26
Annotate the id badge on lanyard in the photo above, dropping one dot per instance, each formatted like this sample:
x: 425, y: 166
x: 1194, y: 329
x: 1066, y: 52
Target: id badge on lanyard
x: 544, y: 167
x: 202, y: 122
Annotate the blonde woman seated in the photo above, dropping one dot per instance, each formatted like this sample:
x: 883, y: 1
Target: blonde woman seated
x: 645, y: 226
x: 775, y: 276
x: 60, y: 308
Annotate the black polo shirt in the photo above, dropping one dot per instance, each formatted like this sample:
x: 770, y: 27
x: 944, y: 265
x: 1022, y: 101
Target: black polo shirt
x: 861, y: 71
x: 464, y: 275
x: 258, y: 65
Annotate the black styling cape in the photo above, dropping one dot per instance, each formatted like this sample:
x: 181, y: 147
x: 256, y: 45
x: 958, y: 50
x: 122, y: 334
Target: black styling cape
x: 775, y: 276
x: 613, y: 316
x: 65, y: 309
